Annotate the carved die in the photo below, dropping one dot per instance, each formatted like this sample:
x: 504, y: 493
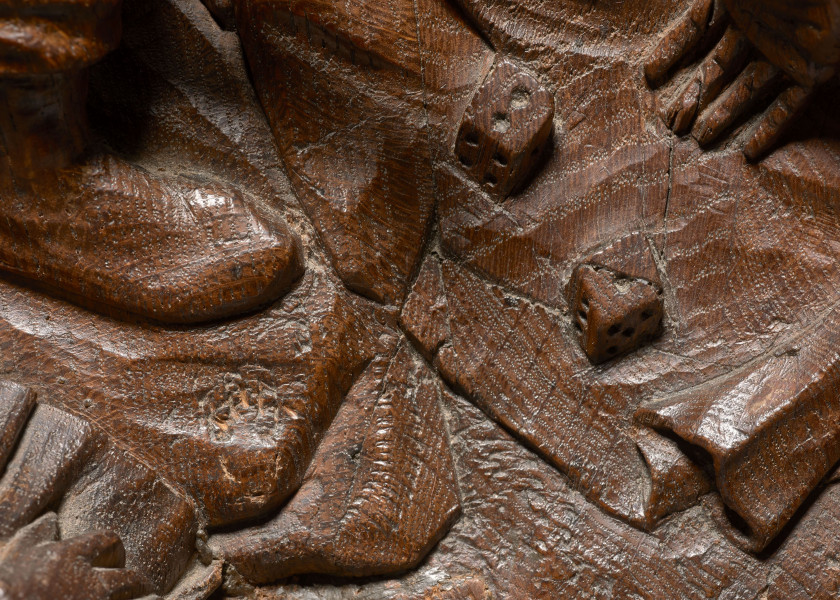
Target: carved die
x: 613, y: 312
x: 505, y: 129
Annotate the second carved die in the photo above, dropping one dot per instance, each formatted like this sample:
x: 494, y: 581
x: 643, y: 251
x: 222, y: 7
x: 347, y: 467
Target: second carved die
x: 613, y: 312
x: 505, y: 129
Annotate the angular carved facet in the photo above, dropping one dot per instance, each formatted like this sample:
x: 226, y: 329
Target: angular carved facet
x: 505, y: 129
x: 16, y: 404
x: 357, y: 156
x: 38, y: 564
x: 613, y: 312
x: 381, y: 491
x: 676, y: 481
x: 425, y: 317
x: 769, y: 429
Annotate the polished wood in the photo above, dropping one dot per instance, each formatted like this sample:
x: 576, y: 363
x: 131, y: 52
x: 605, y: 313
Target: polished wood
x: 419, y: 299
x: 505, y: 129
x: 614, y: 314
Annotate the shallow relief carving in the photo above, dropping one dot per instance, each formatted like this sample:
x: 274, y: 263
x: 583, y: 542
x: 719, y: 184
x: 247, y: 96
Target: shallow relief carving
x: 311, y: 292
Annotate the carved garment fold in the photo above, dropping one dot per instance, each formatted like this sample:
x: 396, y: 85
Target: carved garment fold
x: 52, y: 449
x: 32, y: 40
x: 244, y: 402
x: 16, y: 404
x: 359, y: 96
x: 771, y: 429
x: 63, y: 463
x: 518, y: 363
x: 676, y: 482
x: 380, y: 493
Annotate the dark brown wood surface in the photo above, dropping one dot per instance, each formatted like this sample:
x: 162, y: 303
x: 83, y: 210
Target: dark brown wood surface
x: 419, y: 299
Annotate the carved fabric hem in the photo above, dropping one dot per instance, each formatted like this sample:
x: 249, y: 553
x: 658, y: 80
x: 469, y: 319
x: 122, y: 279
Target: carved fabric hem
x: 770, y: 430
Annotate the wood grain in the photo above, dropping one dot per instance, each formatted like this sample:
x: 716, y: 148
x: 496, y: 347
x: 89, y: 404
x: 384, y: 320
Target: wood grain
x: 317, y: 299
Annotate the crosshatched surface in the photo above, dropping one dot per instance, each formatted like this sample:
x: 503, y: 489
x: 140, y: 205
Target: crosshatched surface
x: 505, y: 299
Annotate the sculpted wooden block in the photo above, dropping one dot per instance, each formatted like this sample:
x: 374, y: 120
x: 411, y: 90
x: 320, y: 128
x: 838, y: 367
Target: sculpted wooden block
x: 419, y: 299
x: 505, y: 129
x: 614, y: 313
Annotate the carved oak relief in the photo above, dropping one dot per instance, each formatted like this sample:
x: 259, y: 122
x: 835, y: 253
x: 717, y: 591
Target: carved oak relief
x: 252, y: 292
x: 505, y: 130
x: 76, y: 507
x: 780, y: 50
x: 614, y: 313
x: 84, y: 224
